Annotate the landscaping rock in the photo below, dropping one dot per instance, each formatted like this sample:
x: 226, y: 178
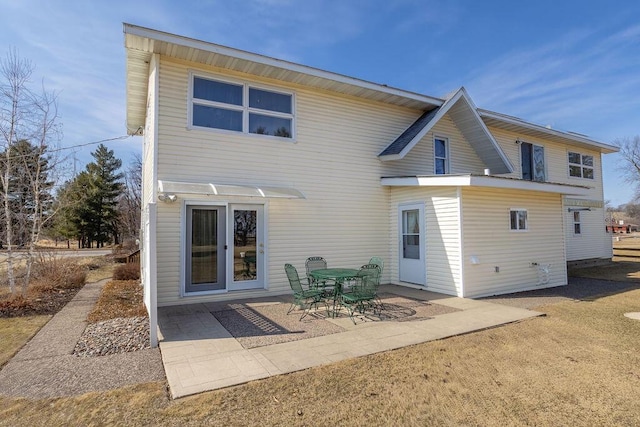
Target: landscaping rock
x: 114, y: 336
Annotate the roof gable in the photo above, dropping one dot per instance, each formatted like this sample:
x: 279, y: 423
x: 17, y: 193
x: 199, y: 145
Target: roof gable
x: 464, y: 114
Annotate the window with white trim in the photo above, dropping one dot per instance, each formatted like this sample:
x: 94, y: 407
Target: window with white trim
x: 241, y: 107
x: 533, y: 163
x: 577, y: 223
x: 580, y: 165
x: 441, y: 155
x: 518, y: 219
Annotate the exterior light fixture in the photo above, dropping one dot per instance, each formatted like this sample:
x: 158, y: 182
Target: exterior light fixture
x: 167, y: 198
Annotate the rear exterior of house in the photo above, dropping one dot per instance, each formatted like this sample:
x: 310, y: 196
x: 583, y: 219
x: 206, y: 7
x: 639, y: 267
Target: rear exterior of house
x: 251, y: 162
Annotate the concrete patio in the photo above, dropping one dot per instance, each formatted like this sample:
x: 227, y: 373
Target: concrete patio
x: 199, y: 354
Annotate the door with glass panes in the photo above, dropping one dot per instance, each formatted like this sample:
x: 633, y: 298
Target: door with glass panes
x: 224, y: 248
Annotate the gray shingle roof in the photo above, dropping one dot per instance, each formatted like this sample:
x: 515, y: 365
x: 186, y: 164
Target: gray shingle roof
x: 408, y: 135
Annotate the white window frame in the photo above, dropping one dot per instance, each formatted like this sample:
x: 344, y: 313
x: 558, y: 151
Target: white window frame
x: 526, y: 220
x: 544, y: 154
x: 244, y: 108
x: 446, y: 158
x: 581, y: 165
x: 578, y: 223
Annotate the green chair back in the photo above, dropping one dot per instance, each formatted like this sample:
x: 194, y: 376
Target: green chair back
x: 369, y: 278
x: 315, y: 263
x: 377, y: 261
x: 294, y: 279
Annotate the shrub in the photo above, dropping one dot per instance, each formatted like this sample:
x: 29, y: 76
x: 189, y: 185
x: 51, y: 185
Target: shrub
x: 58, y: 273
x: 129, y: 271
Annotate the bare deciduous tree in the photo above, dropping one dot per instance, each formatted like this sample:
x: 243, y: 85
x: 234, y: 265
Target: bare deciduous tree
x: 630, y: 152
x: 30, y: 117
x: 130, y: 203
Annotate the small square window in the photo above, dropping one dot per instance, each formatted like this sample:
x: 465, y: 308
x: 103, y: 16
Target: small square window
x: 518, y: 219
x: 580, y: 165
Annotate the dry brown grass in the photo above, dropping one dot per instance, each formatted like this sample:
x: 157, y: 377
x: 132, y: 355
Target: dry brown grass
x: 129, y: 271
x: 578, y: 366
x: 15, y: 332
x: 119, y: 298
x: 618, y: 270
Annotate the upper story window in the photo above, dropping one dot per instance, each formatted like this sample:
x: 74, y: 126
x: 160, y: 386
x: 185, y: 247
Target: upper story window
x: 580, y: 165
x: 241, y: 107
x: 533, y: 165
x: 518, y: 220
x: 441, y: 155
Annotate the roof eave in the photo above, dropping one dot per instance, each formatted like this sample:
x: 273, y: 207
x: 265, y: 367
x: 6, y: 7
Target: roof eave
x: 602, y: 147
x: 147, y: 40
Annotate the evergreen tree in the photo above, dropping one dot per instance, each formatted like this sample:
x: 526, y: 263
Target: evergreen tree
x: 88, y: 204
x: 105, y: 182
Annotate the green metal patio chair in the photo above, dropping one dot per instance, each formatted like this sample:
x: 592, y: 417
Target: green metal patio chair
x: 364, y: 293
x: 318, y: 263
x: 377, y: 261
x: 303, y: 298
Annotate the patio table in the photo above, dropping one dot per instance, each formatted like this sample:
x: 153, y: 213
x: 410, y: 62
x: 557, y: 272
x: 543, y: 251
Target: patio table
x: 338, y: 275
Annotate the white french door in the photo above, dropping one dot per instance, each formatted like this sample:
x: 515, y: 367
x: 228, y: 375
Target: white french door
x: 205, y: 248
x: 246, y: 257
x: 224, y: 248
x: 412, y: 244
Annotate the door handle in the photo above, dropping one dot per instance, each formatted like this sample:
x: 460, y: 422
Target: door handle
x: 261, y: 251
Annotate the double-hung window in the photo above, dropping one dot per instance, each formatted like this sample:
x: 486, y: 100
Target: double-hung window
x: 441, y: 155
x: 241, y: 107
x: 580, y: 165
x: 533, y: 166
x: 518, y: 220
x: 576, y: 223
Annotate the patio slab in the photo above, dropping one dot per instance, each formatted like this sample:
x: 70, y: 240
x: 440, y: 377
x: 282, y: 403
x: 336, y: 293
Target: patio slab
x: 200, y: 355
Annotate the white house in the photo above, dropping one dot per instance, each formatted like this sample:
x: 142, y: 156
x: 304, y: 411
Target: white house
x: 252, y: 162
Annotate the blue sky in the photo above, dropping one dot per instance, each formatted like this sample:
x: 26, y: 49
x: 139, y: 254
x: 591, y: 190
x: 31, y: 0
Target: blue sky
x: 573, y: 65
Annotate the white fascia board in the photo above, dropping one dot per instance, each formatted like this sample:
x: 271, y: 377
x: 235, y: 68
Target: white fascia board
x: 443, y: 110
x: 208, y: 47
x: 604, y: 148
x: 484, y: 181
x: 485, y: 129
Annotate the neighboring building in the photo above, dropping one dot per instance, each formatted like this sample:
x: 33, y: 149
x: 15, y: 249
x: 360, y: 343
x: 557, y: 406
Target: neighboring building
x: 252, y: 162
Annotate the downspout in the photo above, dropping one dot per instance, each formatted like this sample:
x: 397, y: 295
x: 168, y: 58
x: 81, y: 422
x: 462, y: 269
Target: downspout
x: 461, y: 242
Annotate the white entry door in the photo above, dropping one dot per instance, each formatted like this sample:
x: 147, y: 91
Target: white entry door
x: 246, y: 259
x: 411, y: 226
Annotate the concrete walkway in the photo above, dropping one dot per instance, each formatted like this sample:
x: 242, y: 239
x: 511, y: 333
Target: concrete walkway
x: 200, y: 355
x: 46, y: 367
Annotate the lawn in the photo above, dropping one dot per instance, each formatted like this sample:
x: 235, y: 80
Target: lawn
x: 16, y: 331
x: 579, y: 365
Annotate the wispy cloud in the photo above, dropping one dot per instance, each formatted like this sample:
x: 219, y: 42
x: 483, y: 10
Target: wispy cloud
x: 581, y: 75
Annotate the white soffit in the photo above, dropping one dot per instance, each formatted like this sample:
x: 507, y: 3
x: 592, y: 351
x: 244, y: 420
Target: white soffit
x: 211, y: 189
x: 484, y: 181
x: 514, y: 124
x: 141, y: 43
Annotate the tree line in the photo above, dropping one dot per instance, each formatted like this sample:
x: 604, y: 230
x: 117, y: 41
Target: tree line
x: 99, y: 206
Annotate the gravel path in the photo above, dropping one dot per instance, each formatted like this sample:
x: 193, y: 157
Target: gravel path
x: 46, y: 367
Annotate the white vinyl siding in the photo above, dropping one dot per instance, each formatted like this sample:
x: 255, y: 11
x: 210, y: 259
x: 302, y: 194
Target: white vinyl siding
x: 487, y: 239
x: 420, y: 160
x: 148, y: 152
x: 442, y: 234
x: 333, y: 163
x: 592, y: 230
